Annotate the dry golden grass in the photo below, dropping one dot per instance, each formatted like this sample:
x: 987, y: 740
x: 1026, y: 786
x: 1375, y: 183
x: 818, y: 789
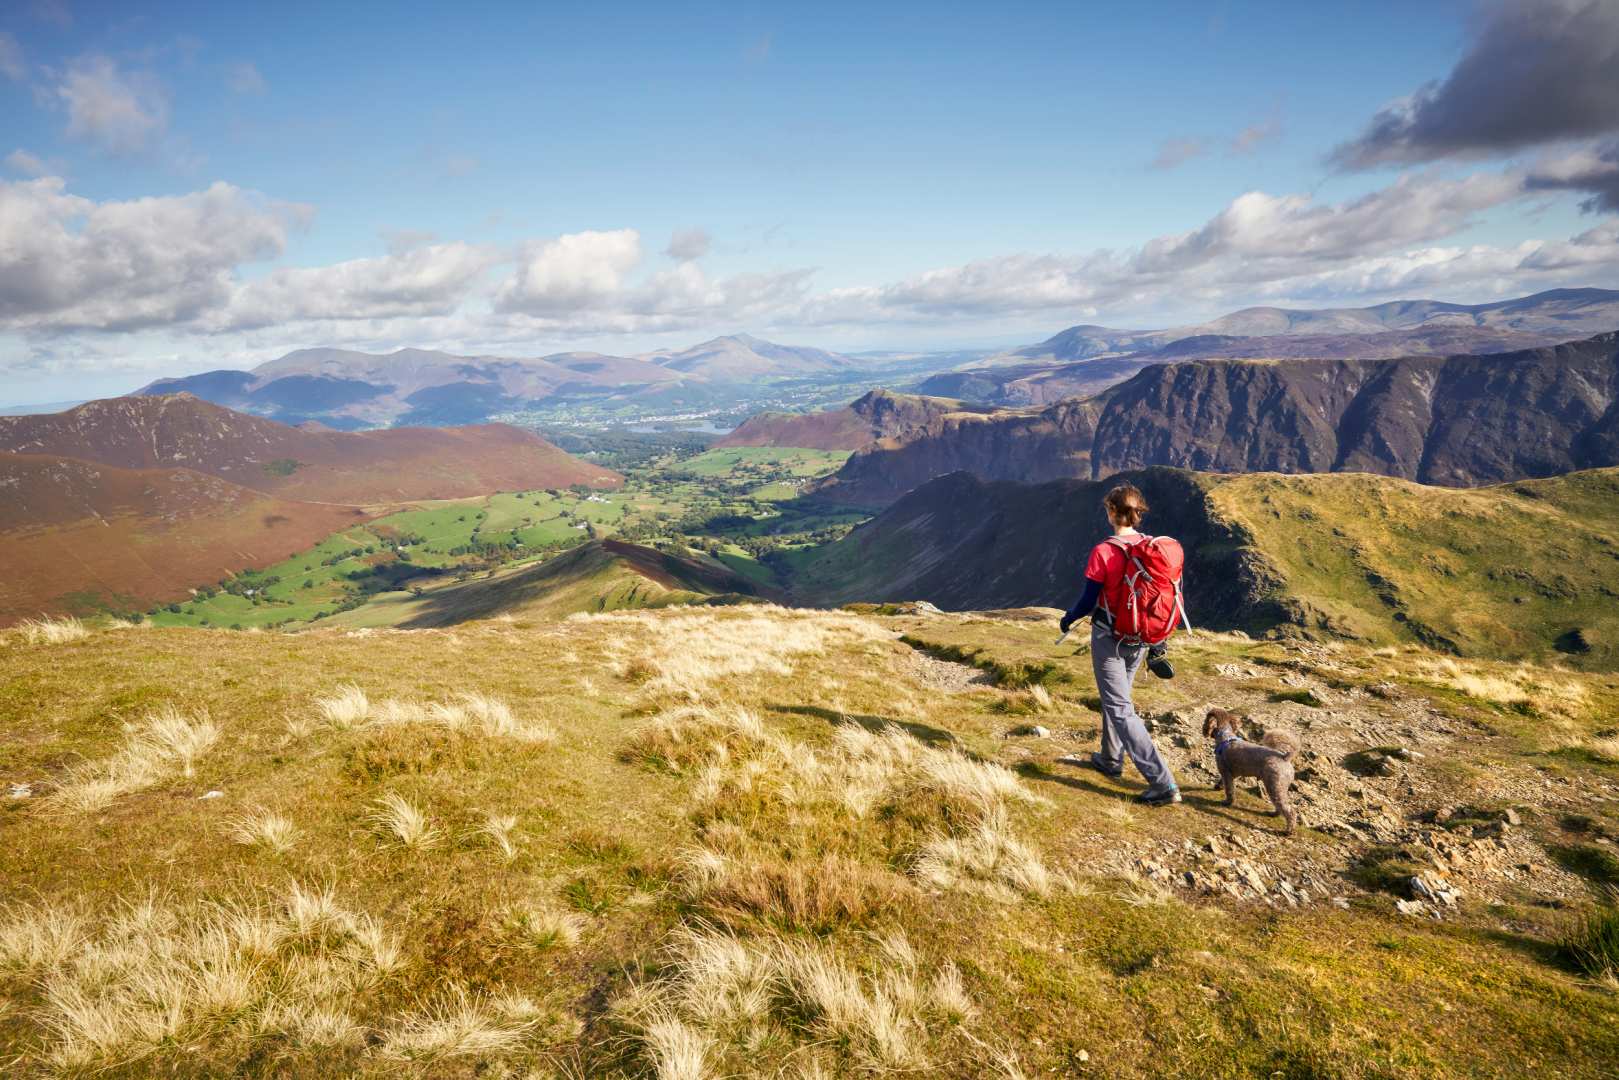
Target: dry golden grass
x: 349, y: 708
x: 458, y: 1024
x: 547, y: 928
x: 165, y: 744
x: 125, y: 985
x: 1546, y: 691
x: 851, y: 897
x: 497, y: 829
x: 404, y: 821
x: 721, y: 994
x: 52, y: 631
x: 265, y: 828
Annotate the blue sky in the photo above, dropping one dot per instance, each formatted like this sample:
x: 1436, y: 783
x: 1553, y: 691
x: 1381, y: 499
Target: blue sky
x: 507, y: 178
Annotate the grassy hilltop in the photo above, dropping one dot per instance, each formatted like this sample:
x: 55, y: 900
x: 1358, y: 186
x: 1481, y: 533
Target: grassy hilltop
x: 756, y: 841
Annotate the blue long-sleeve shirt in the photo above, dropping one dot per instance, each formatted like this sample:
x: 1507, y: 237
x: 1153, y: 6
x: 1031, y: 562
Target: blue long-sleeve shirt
x: 1085, y: 604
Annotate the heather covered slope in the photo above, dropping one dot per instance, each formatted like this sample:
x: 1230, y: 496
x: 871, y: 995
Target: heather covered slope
x: 80, y: 538
x: 1459, y: 420
x: 179, y: 430
x: 758, y: 842
x: 1523, y: 570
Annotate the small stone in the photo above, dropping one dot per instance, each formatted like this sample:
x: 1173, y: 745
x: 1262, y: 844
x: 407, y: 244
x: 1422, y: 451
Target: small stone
x: 1511, y: 816
x: 1083, y: 1055
x: 1040, y: 732
x: 212, y: 795
x: 1181, y: 741
x: 1072, y: 759
x: 1212, y: 844
x: 21, y: 791
x: 1410, y: 907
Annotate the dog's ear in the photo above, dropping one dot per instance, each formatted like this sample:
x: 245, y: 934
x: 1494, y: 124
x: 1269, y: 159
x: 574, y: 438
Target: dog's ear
x: 1209, y: 722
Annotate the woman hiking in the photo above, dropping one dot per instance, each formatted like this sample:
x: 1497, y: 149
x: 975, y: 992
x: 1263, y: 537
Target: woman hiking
x: 1116, y: 662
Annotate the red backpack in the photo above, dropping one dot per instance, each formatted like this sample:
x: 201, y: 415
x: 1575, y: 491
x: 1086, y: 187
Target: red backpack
x: 1144, y: 606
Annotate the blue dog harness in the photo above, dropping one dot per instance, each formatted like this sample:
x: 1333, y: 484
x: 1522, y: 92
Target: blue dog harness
x: 1221, y: 744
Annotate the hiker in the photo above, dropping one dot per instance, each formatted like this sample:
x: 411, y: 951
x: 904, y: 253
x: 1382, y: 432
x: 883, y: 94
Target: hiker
x: 1125, y: 625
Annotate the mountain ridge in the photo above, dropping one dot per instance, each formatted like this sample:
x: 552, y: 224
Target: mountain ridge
x: 1460, y: 421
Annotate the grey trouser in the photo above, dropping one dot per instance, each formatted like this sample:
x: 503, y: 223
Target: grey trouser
x: 1122, y: 730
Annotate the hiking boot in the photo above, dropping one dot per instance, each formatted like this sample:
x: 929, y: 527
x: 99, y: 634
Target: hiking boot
x: 1094, y: 762
x: 1168, y: 797
x: 1158, y: 662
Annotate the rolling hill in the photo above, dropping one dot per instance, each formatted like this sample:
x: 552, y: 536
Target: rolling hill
x: 1552, y: 316
x: 742, y: 356
x: 78, y: 537
x: 600, y: 575
x: 1523, y: 570
x: 876, y: 416
x: 179, y: 430
x: 1458, y: 420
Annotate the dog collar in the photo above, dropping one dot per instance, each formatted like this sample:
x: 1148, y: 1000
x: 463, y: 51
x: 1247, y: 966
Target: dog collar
x: 1221, y: 744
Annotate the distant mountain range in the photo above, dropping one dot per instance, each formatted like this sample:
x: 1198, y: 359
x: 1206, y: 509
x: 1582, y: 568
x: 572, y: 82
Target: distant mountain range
x: 1458, y: 420
x: 1365, y: 557
x: 1087, y: 359
x: 349, y: 389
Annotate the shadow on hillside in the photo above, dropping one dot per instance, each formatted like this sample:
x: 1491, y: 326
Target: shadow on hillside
x: 925, y: 732
x: 1199, y: 799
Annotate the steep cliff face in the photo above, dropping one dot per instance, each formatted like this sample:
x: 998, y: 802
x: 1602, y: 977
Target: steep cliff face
x: 1459, y: 421
x: 1028, y: 446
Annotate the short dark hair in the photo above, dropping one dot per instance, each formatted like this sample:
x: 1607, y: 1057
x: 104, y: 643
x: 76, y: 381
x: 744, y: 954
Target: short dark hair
x: 1126, y: 505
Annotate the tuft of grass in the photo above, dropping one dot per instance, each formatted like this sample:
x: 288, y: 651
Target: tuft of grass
x: 266, y: 828
x: 1589, y: 861
x: 404, y: 821
x: 167, y: 741
x: 497, y: 829
x: 986, y: 855
x: 1592, y: 944
x: 458, y: 1024
x: 46, y: 630
x: 544, y: 928
x: 346, y: 709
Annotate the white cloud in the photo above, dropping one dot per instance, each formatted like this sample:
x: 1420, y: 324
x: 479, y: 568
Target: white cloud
x: 25, y: 163
x: 1253, y: 136
x: 245, y: 78
x: 12, y: 64
x: 430, y: 280
x: 123, y: 112
x: 688, y: 244
x: 68, y: 263
x: 578, y: 271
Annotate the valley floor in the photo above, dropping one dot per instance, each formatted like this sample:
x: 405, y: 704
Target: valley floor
x: 768, y: 842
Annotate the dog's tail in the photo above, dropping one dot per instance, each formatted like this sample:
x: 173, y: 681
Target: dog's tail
x: 1283, y: 742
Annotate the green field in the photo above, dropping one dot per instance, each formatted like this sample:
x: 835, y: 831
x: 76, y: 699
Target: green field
x: 743, y: 502
x: 768, y: 462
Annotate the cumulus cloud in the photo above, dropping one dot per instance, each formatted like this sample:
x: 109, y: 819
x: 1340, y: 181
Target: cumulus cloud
x: 121, y: 111
x: 245, y: 78
x: 1591, y: 169
x: 12, y: 65
x: 428, y: 280
x: 25, y: 163
x: 688, y: 244
x: 578, y: 271
x: 68, y: 263
x: 1536, y: 72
